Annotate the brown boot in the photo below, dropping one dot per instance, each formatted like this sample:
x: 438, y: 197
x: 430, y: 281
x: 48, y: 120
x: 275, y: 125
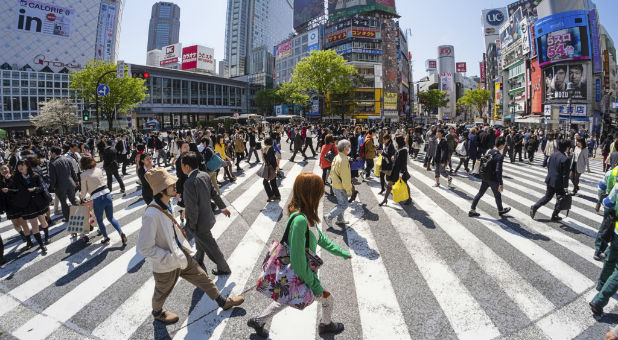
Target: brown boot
x: 233, y: 302
x: 165, y: 317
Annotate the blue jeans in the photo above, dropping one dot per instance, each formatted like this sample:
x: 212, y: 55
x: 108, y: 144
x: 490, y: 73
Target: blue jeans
x: 342, y: 204
x: 104, y: 204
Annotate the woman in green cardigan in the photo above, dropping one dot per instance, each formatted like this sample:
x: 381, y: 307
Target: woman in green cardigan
x: 303, y: 210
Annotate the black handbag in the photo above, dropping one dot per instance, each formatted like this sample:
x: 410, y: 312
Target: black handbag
x: 564, y: 203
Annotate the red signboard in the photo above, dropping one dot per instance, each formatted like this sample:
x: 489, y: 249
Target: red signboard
x: 446, y: 52
x: 168, y: 61
x: 461, y: 67
x: 339, y: 35
x: 433, y: 64
x: 363, y: 32
x: 536, y: 87
x: 189, y: 57
x: 482, y: 65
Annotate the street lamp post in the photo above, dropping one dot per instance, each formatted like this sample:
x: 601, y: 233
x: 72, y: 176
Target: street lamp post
x: 570, y: 91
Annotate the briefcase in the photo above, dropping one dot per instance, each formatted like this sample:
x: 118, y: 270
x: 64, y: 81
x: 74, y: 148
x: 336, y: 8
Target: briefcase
x: 564, y: 202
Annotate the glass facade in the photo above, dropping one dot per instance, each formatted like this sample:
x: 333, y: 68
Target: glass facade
x: 164, y: 26
x: 22, y: 91
x: 170, y: 91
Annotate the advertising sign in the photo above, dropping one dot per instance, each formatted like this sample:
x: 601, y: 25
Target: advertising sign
x: 563, y: 36
x: 205, y: 59
x: 492, y: 19
x: 283, y: 50
x: 556, y: 79
x: 344, y: 8
x: 336, y: 36
x: 105, y: 34
x: 431, y: 64
x: 528, y: 7
x: 390, y: 101
x: 606, y: 69
x: 532, y: 38
x: 189, y: 57
x: 536, y: 88
x: 313, y: 43
x: 525, y: 36
x: 573, y: 110
x: 446, y: 82
x: 364, y: 32
x: 482, y: 66
x: 511, y: 32
x: 171, y: 54
x: 597, y: 90
x: 44, y: 18
x: 307, y: 10
x: 461, y: 67
x: 377, y: 71
x: 594, y: 35
x: 497, y: 99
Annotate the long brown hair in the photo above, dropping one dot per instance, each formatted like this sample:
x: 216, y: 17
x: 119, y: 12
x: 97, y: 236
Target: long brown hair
x: 306, y: 195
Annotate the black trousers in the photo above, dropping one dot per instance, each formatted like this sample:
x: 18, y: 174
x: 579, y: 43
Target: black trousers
x: 531, y: 156
x: 65, y: 193
x: 295, y: 152
x: 518, y: 151
x: 465, y: 161
x: 206, y: 244
x: 253, y: 151
x: 325, y: 175
x: 309, y: 144
x: 494, y: 188
x: 271, y: 187
x: 549, y: 194
x: 368, y: 167
x: 124, y: 159
x: 114, y: 172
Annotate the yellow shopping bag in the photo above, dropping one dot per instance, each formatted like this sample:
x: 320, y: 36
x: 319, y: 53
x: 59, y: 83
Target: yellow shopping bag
x: 400, y: 191
x: 378, y: 166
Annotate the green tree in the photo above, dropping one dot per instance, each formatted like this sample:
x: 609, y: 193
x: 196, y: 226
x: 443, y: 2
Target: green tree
x: 290, y: 93
x: 124, y: 94
x: 56, y: 114
x: 432, y: 100
x: 320, y: 73
x: 343, y: 101
x: 477, y: 99
x: 265, y: 99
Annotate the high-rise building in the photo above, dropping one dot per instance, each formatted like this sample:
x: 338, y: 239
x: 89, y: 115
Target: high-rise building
x: 164, y: 26
x: 43, y: 41
x: 253, y: 27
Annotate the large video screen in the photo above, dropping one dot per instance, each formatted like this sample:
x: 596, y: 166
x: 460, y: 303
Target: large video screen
x: 558, y: 76
x: 307, y: 10
x: 562, y: 37
x: 342, y: 8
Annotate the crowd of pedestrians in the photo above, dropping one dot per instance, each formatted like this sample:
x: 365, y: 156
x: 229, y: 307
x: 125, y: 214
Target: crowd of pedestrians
x: 45, y: 176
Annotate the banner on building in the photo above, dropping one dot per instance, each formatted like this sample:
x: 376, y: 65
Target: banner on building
x: 390, y: 101
x: 528, y: 7
x: 594, y: 35
x: 313, y: 38
x: 171, y: 54
x: 45, y: 18
x: 482, y: 66
x: 461, y: 67
x: 345, y: 8
x: 536, y: 87
x: 283, y: 50
x: 556, y: 79
x: 105, y: 33
x: 189, y: 57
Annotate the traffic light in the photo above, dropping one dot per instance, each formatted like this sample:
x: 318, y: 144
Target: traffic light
x: 424, y: 101
x: 85, y: 117
x: 140, y: 74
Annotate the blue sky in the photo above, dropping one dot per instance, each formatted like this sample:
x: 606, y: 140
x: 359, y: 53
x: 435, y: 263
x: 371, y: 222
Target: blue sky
x: 433, y: 23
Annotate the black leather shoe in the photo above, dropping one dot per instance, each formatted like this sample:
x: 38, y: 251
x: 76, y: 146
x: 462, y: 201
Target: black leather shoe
x: 532, y: 212
x: 218, y: 272
x: 556, y: 218
x: 332, y: 328
x: 596, y: 310
x: 473, y: 213
x: 259, y: 329
x: 504, y: 211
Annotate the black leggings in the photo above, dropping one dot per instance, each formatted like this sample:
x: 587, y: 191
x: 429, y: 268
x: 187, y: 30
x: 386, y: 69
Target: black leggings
x: 325, y: 175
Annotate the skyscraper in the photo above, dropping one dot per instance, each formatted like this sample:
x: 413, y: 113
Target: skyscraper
x: 164, y: 26
x: 253, y: 27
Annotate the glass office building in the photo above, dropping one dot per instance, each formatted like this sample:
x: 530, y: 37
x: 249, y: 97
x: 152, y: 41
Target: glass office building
x: 164, y: 26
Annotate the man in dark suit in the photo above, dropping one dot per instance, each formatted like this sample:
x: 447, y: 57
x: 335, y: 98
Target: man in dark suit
x: 298, y: 145
x: 510, y: 145
x: 62, y: 179
x: 123, y: 148
x: 557, y: 179
x: 110, y: 165
x: 197, y: 195
x: 441, y: 158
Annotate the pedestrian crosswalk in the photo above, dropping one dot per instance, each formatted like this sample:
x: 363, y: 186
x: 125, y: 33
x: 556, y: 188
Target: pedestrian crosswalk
x: 420, y: 271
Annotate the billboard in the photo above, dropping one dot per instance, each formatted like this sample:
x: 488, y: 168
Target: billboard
x: 283, y: 50
x: 390, y: 101
x: 492, y: 19
x: 344, y: 8
x: 536, y: 87
x: 511, y: 32
x: 461, y: 67
x: 307, y: 10
x: 482, y: 66
x: 313, y: 38
x: 44, y: 18
x: 189, y: 57
x: 594, y: 35
x: 563, y: 36
x: 528, y: 7
x: 105, y: 33
x: 171, y: 54
x: 556, y: 78
x: 431, y: 64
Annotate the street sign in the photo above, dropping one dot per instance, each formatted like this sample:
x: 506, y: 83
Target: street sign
x: 120, y: 69
x: 103, y: 90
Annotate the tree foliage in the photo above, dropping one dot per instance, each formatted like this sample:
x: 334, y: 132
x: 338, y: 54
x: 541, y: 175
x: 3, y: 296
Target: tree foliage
x: 316, y: 75
x: 124, y: 94
x: 477, y: 99
x: 432, y: 100
x: 56, y: 114
x: 265, y: 99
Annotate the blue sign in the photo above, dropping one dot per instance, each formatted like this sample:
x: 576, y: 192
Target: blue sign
x: 103, y: 90
x: 495, y: 17
x: 597, y: 88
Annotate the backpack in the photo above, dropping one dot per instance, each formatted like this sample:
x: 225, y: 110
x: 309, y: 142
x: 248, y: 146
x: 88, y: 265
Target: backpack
x: 361, y: 151
x: 485, y: 170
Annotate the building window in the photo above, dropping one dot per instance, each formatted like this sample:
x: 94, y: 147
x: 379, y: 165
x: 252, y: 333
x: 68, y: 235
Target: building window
x: 185, y: 92
x: 203, y: 94
x: 156, y: 90
x: 175, y: 91
x: 194, y: 94
x: 218, y: 94
x: 166, y: 97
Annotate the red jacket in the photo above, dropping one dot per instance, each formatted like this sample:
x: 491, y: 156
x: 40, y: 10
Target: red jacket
x: 325, y: 149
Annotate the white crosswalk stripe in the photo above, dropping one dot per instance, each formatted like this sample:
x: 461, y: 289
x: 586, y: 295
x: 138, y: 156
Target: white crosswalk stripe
x: 561, y: 253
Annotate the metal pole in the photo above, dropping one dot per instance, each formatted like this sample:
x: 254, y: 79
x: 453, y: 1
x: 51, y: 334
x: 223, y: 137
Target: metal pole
x: 570, y: 115
x: 96, y: 94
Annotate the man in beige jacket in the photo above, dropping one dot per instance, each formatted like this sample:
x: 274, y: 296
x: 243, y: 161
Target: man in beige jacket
x: 341, y: 177
x: 163, y: 241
